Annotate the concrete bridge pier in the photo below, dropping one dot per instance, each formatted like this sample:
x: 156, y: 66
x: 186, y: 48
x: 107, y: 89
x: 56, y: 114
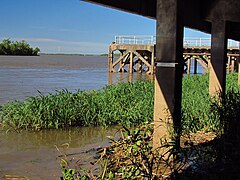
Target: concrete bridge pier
x: 110, y: 59
x: 217, y: 76
x: 169, y: 71
x: 189, y: 65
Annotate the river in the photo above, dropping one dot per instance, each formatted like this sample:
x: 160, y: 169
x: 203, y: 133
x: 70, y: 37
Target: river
x: 35, y: 154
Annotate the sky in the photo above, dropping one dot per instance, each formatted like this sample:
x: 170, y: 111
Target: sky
x: 71, y: 26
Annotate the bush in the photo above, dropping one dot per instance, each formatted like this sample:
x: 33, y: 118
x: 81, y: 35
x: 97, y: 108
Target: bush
x: 8, y: 47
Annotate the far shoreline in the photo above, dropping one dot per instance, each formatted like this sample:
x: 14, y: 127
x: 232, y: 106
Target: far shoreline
x: 72, y: 54
x: 56, y: 54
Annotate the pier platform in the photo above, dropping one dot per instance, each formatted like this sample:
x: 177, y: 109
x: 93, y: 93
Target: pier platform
x: 137, y: 54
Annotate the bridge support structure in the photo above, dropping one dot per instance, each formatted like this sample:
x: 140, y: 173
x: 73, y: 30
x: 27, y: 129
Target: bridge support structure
x: 217, y: 76
x: 133, y: 58
x: 195, y: 56
x: 169, y: 71
x: 141, y: 58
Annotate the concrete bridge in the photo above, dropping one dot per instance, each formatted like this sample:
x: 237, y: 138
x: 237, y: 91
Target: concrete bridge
x: 221, y: 18
x: 137, y: 54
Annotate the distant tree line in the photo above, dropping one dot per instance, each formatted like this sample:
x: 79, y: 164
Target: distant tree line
x: 8, y: 47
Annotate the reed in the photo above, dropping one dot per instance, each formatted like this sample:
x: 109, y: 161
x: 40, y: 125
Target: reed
x: 197, y: 105
x: 125, y: 103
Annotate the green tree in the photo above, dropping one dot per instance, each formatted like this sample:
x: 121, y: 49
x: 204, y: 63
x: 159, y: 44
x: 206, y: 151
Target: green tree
x: 8, y: 47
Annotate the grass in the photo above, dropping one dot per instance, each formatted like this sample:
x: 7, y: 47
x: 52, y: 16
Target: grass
x: 201, y: 154
x: 125, y: 103
x: 197, y: 113
x: 121, y: 104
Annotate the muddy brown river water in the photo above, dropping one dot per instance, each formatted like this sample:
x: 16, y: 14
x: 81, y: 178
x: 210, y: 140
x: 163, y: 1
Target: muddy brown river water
x: 37, y: 155
x: 34, y: 154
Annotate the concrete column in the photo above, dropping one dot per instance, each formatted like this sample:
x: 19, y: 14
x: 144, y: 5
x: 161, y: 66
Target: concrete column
x: 169, y: 70
x: 110, y: 78
x: 217, y: 81
x: 188, y: 66
x: 232, y: 65
x: 130, y: 77
x: 195, y: 66
x: 110, y: 60
x: 228, y: 64
x: 131, y: 63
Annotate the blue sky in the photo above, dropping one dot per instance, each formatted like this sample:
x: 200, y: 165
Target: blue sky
x: 71, y: 26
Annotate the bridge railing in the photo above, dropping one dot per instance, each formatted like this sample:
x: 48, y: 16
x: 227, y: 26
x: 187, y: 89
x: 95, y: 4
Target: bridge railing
x: 135, y: 39
x: 152, y: 40
x: 197, y: 42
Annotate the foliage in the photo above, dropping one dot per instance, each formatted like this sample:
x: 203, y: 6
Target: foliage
x: 69, y: 173
x: 227, y: 109
x: 125, y: 103
x: 8, y: 47
x: 133, y: 157
x: 121, y: 104
x: 196, y: 103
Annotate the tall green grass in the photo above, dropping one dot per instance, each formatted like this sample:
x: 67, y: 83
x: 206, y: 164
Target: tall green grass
x: 129, y: 103
x: 124, y: 103
x: 197, y: 113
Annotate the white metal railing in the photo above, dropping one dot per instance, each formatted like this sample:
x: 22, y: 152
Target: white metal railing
x: 197, y: 42
x: 135, y: 39
x: 152, y: 40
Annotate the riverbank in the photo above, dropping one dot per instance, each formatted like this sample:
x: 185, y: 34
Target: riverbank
x: 118, y: 104
x: 125, y: 103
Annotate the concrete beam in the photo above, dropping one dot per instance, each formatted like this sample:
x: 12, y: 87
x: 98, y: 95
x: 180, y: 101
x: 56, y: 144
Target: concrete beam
x: 141, y: 7
x: 169, y: 71
x: 197, y: 14
x: 218, y: 60
x: 228, y: 10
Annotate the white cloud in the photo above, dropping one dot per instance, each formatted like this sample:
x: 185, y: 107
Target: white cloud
x: 36, y: 40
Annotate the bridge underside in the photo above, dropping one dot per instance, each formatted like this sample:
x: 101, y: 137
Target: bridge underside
x: 221, y: 18
x: 197, y: 14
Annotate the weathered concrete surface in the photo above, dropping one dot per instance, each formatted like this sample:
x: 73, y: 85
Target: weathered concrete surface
x: 217, y: 81
x: 168, y: 80
x: 132, y: 47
